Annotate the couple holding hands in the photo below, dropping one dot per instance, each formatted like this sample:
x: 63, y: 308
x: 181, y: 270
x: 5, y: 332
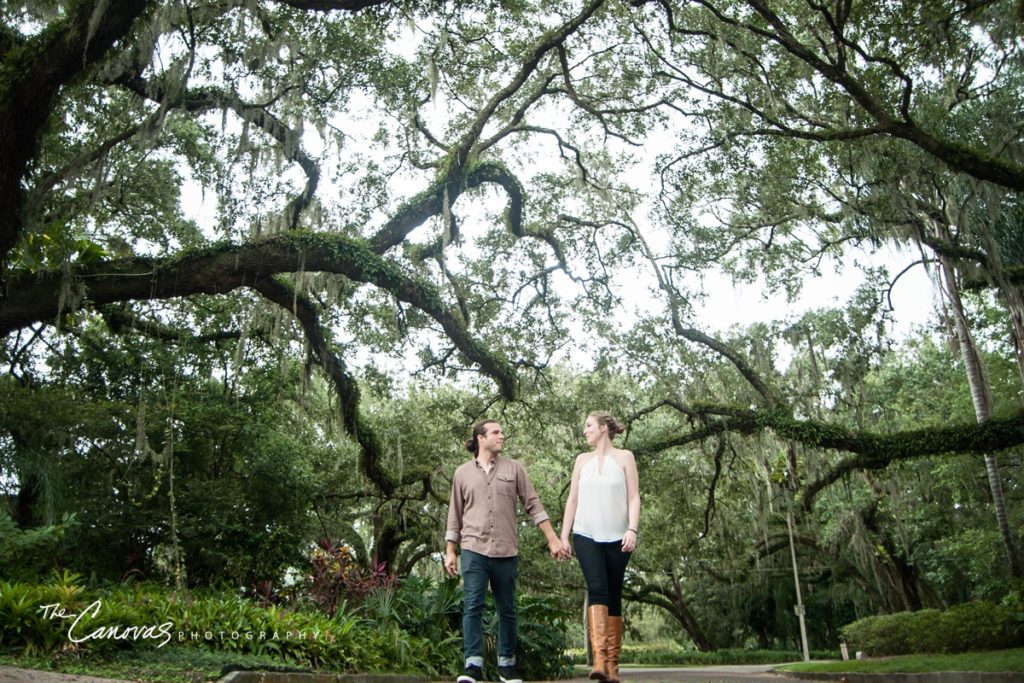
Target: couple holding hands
x: 601, y: 514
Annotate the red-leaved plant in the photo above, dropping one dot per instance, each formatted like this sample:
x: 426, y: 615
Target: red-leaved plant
x: 337, y: 578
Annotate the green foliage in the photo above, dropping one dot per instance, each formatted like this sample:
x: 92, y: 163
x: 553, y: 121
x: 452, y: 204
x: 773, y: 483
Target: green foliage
x: 52, y: 247
x: 28, y: 552
x: 1014, y: 601
x: 412, y: 627
x: 963, y: 628
x: 244, y: 462
x: 418, y: 621
x: 24, y: 625
x: 542, y: 641
x: 98, y: 621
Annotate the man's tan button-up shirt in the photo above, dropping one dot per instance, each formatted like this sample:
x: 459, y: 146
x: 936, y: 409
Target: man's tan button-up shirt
x: 482, y: 509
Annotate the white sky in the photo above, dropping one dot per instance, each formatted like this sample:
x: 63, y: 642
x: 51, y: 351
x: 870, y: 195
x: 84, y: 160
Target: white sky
x: 728, y: 304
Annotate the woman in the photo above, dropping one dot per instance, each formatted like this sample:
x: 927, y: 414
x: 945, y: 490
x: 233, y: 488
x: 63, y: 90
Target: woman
x: 603, y: 512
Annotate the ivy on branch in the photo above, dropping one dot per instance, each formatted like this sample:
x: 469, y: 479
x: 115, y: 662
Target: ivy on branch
x: 870, y: 450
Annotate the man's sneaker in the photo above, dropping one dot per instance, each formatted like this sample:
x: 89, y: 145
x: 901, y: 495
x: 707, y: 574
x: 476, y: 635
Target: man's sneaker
x: 508, y: 674
x: 471, y: 674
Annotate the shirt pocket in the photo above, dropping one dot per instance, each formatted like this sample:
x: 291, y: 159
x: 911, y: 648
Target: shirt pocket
x: 506, y: 484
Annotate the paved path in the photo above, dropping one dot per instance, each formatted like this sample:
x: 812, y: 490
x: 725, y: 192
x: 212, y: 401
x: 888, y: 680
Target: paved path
x: 8, y: 674
x: 706, y: 674
x: 710, y: 674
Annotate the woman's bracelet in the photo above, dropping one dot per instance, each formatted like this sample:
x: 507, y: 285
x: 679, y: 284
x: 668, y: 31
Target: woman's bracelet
x: 634, y: 531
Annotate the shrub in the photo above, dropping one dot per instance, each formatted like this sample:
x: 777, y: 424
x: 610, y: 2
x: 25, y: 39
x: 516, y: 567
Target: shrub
x: 130, y: 616
x: 1014, y: 601
x: 542, y: 653
x: 29, y: 552
x: 23, y: 622
x: 419, y: 622
x: 964, y: 628
x: 409, y: 627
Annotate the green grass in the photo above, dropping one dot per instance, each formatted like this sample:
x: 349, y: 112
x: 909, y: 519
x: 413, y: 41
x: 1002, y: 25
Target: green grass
x: 165, y: 665
x: 995, y: 661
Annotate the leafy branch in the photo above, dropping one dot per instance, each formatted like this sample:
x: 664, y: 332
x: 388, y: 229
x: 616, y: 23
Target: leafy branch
x: 225, y: 267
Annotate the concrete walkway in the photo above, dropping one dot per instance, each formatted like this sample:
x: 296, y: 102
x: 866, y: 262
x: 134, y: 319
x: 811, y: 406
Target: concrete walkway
x: 8, y: 674
x: 707, y: 674
x: 714, y: 674
x: 746, y: 674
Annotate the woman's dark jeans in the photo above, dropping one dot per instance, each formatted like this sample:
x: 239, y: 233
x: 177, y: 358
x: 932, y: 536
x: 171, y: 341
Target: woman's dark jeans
x: 604, y: 569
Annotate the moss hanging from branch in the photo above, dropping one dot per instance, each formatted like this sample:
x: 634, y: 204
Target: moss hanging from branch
x: 223, y: 267
x: 371, y: 451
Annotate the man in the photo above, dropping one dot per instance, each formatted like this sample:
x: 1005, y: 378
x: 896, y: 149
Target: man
x: 482, y: 519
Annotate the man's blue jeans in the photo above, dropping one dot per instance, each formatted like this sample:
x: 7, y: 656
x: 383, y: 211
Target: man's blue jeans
x: 500, y: 572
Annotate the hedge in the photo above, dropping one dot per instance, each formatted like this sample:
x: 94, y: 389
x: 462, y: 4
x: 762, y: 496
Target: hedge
x: 973, y: 626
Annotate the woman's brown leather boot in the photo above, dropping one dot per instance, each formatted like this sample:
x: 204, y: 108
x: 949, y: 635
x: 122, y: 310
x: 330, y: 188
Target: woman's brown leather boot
x: 597, y: 619
x: 613, y: 643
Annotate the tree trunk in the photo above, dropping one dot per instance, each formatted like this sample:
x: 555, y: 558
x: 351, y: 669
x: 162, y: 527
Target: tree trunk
x: 682, y: 612
x: 670, y: 599
x: 1013, y: 298
x: 26, y: 501
x: 32, y: 79
x: 982, y: 398
x: 896, y: 579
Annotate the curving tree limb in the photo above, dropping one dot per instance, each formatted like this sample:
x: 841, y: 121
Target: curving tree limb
x: 870, y: 450
x: 430, y: 203
x: 223, y: 268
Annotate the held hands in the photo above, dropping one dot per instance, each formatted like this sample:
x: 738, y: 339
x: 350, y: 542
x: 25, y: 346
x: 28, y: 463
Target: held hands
x: 559, y: 549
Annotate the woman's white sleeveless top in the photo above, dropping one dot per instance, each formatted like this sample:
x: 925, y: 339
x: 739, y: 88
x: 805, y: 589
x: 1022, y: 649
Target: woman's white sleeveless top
x: 602, y: 513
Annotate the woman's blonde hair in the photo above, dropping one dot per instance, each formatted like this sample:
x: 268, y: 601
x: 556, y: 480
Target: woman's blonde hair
x: 607, y: 420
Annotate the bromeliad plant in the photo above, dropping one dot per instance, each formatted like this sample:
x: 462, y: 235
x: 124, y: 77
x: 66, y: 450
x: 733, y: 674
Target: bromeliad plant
x: 23, y: 622
x: 336, y: 579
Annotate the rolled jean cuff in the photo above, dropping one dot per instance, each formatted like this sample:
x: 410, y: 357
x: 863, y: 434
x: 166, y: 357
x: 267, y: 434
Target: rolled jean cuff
x: 506, y: 661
